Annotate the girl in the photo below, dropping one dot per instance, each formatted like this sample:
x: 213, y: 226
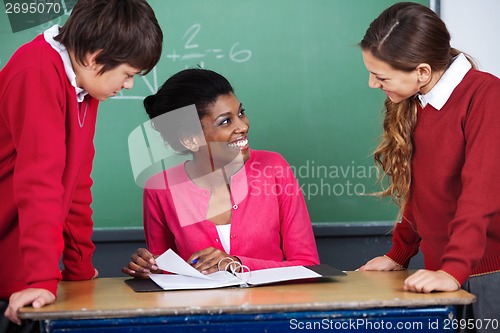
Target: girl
x: 438, y: 151
x: 228, y: 200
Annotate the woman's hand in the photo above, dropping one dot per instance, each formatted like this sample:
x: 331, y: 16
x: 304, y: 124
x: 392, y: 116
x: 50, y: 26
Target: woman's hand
x: 143, y: 263
x: 425, y: 281
x: 207, y: 260
x: 381, y: 263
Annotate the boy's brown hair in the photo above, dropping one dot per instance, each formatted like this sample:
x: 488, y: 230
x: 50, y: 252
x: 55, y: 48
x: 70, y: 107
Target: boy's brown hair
x: 124, y: 31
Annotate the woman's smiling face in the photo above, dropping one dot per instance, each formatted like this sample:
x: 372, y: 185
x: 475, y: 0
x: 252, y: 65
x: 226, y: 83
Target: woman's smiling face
x: 225, y: 127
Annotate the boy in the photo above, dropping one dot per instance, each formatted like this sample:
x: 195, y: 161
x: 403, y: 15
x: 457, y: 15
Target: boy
x: 49, y: 93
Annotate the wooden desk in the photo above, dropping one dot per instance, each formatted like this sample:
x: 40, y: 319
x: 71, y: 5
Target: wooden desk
x: 358, y: 302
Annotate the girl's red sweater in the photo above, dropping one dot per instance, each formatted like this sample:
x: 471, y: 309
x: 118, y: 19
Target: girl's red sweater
x: 453, y: 213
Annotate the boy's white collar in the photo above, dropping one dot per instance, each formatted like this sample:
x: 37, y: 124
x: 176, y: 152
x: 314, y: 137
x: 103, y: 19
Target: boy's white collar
x: 49, y: 35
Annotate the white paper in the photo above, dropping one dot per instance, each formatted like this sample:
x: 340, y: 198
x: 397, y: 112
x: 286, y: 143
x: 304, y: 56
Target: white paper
x: 279, y: 274
x: 187, y: 277
x: 171, y: 262
x: 179, y: 282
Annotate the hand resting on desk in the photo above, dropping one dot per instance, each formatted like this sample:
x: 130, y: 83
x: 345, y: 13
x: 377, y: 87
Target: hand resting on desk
x: 422, y: 281
x: 381, y: 263
x: 37, y: 297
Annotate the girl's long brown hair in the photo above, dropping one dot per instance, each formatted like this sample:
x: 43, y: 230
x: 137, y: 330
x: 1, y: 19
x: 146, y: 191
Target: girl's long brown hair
x: 404, y: 36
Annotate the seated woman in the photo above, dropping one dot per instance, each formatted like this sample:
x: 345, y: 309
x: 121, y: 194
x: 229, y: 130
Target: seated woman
x: 228, y: 200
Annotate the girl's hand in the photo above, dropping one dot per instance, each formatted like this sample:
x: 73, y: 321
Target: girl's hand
x: 207, y: 260
x: 381, y: 263
x: 425, y: 281
x: 143, y: 263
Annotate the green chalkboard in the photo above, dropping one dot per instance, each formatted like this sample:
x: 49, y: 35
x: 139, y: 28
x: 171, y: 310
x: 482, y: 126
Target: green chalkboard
x: 295, y: 65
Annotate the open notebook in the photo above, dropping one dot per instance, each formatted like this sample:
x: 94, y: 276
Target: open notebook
x: 187, y: 277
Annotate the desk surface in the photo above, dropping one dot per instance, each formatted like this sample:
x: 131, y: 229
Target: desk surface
x: 112, y: 298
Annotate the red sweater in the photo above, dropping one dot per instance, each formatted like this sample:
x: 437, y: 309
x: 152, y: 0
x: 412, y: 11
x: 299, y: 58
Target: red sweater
x: 45, y: 164
x: 454, y: 209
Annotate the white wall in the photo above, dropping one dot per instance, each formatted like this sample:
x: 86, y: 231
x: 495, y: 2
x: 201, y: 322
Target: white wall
x: 475, y: 27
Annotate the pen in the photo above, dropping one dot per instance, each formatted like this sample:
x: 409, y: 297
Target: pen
x: 194, y: 261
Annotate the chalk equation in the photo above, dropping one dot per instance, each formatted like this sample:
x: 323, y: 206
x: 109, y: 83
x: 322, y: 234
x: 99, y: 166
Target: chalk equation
x: 192, y: 49
x: 191, y: 54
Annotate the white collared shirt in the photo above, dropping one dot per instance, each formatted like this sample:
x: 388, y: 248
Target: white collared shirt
x: 441, y: 92
x: 49, y: 35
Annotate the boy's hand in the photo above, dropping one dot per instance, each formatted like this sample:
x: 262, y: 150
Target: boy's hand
x: 37, y: 297
x: 425, y: 281
x: 381, y: 263
x: 143, y: 263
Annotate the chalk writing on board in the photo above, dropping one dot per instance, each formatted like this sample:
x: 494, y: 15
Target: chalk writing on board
x: 192, y: 54
x: 192, y: 49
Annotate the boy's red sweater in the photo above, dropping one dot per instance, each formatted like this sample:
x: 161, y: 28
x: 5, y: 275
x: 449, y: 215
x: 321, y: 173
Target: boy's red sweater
x: 45, y: 164
x: 454, y: 208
